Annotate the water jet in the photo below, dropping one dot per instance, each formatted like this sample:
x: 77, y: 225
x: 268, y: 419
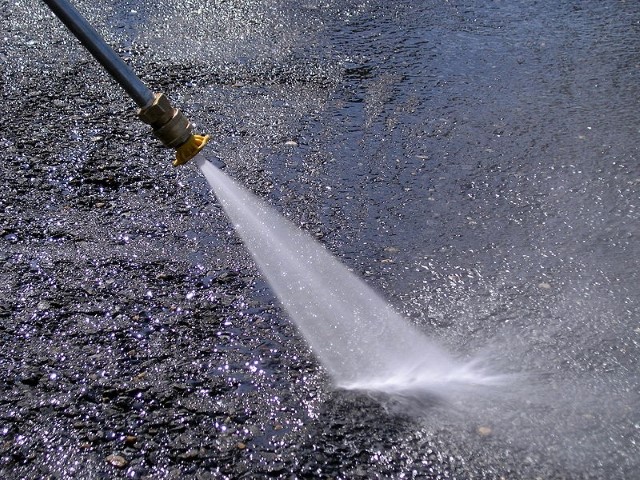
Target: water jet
x: 363, y: 343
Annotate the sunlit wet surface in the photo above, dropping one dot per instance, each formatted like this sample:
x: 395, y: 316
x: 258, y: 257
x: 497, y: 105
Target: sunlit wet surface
x: 362, y: 342
x: 475, y: 162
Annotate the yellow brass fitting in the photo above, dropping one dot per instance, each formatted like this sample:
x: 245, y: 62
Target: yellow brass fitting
x: 172, y: 128
x: 190, y: 149
x: 169, y: 124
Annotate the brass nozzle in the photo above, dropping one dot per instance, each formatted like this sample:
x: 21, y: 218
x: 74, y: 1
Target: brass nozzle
x: 172, y: 128
x: 190, y: 149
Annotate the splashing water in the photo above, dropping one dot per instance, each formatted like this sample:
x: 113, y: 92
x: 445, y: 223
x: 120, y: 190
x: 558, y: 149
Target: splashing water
x: 361, y: 341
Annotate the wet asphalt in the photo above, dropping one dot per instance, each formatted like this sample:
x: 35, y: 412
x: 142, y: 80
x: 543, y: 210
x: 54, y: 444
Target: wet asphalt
x: 475, y: 162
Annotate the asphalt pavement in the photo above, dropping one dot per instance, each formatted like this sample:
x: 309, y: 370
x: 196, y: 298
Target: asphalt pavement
x: 475, y: 162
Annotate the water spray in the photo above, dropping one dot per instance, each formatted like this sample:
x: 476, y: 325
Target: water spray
x: 169, y: 124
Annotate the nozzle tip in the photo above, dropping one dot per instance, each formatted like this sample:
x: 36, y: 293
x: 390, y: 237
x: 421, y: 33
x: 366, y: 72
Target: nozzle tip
x: 190, y: 149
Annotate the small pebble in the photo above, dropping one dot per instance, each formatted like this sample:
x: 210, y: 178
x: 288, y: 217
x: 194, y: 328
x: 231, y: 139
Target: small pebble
x: 291, y: 143
x: 117, y: 461
x: 241, y: 446
x: 191, y: 454
x: 484, y: 431
x: 544, y: 285
x: 43, y: 305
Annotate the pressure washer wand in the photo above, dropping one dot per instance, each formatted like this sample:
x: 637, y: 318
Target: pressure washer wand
x: 169, y: 124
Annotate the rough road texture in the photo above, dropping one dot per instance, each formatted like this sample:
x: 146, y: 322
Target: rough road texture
x: 137, y: 338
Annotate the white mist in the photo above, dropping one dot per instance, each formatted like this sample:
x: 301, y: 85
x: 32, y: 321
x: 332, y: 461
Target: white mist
x: 360, y: 340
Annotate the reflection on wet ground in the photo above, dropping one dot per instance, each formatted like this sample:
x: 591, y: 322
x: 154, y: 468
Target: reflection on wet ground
x: 474, y: 161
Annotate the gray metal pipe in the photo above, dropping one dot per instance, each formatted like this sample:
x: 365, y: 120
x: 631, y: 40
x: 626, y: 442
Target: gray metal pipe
x: 93, y: 42
x: 169, y: 124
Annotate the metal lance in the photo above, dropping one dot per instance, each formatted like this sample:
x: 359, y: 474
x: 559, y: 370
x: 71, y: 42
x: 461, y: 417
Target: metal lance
x: 169, y: 124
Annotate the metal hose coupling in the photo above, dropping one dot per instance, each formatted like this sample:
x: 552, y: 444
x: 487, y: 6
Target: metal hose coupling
x: 172, y: 128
